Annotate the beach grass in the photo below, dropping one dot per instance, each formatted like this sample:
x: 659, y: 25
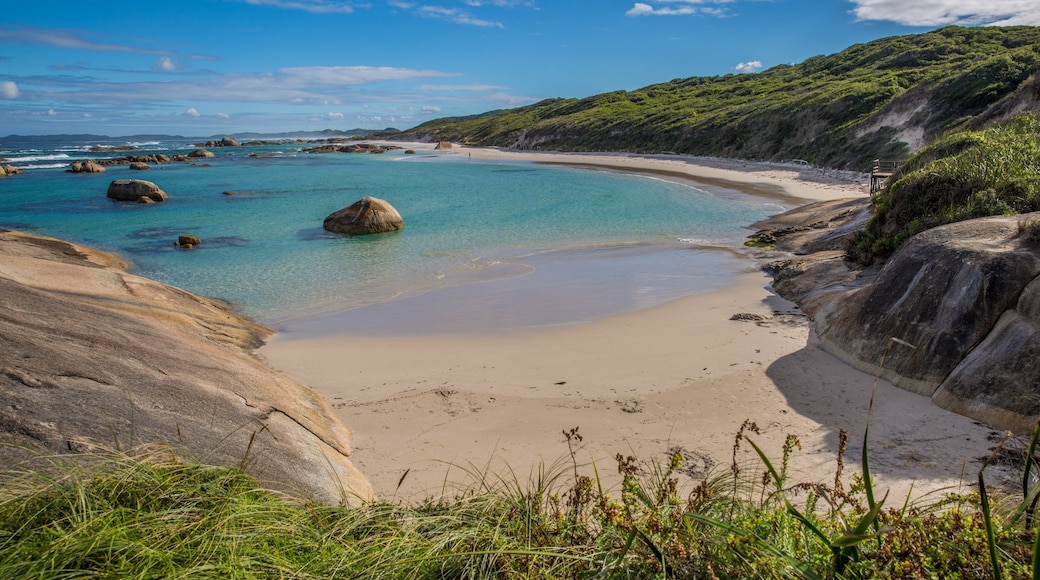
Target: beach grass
x: 153, y: 513
x: 963, y: 175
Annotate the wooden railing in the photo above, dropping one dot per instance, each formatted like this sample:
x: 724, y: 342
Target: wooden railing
x: 880, y: 172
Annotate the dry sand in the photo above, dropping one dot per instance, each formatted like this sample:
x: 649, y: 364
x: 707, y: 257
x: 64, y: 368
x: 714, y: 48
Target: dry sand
x: 683, y: 375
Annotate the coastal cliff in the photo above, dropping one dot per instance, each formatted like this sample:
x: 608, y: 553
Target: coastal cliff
x: 93, y: 358
x: 954, y: 314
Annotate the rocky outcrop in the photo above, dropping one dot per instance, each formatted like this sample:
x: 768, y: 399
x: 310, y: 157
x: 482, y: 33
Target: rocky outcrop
x: 352, y: 148
x: 156, y: 159
x: 135, y: 190
x: 139, y: 166
x: 201, y: 154
x: 443, y: 145
x: 88, y: 166
x: 93, y: 358
x: 999, y: 381
x: 368, y: 215
x: 954, y: 314
x: 942, y: 292
x: 224, y: 142
x: 107, y: 148
x: 6, y: 170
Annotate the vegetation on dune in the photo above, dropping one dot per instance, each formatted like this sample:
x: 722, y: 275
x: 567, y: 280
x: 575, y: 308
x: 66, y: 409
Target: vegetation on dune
x: 963, y: 175
x: 158, y: 516
x: 840, y: 110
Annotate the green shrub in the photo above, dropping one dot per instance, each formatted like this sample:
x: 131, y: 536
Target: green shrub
x: 962, y: 176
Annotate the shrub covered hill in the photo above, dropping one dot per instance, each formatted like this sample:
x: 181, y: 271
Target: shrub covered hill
x: 883, y: 99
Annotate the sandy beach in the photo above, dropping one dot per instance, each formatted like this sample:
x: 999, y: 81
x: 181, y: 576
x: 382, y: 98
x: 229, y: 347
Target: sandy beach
x: 684, y: 376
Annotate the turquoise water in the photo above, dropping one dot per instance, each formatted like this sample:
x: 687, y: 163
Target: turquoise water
x: 486, y: 246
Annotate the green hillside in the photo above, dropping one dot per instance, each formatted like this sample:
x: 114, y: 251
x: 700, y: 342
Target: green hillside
x: 886, y: 99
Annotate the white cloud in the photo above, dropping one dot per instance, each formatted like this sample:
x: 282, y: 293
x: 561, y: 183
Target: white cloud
x: 431, y: 110
x: 9, y: 90
x: 165, y: 64
x: 455, y: 15
x: 678, y: 8
x: 52, y: 113
x: 326, y: 76
x: 192, y: 112
x: 334, y: 115
x: 70, y: 39
x: 640, y: 9
x: 748, y: 67
x: 312, y: 6
x: 463, y: 88
x: 500, y: 3
x: 222, y: 116
x: 944, y: 12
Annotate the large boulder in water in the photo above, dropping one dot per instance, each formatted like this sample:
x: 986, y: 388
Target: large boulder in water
x: 94, y: 358
x: 369, y: 215
x: 135, y: 190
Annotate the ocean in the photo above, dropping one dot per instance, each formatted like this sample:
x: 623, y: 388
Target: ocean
x: 487, y: 247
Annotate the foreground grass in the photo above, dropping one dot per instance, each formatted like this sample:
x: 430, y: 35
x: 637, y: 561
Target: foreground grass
x: 155, y: 515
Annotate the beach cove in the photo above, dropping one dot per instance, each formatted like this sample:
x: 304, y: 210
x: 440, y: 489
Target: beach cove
x: 427, y: 408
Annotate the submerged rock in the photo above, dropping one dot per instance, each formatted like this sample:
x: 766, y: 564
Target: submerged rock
x: 187, y: 241
x: 368, y: 215
x: 93, y: 358
x: 135, y: 190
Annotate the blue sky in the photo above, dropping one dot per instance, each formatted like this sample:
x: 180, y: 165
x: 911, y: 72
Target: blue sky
x: 210, y: 67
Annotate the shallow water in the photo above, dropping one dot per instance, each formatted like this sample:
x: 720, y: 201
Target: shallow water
x: 487, y: 247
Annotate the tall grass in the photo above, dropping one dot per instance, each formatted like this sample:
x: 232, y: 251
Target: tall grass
x: 154, y: 514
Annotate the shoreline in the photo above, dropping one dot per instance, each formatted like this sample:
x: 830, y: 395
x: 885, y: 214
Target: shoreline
x: 682, y: 375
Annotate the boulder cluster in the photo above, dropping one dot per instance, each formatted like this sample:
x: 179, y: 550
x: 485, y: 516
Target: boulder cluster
x: 352, y: 148
x: 224, y: 142
x: 9, y: 170
x: 134, y: 161
x: 88, y: 166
